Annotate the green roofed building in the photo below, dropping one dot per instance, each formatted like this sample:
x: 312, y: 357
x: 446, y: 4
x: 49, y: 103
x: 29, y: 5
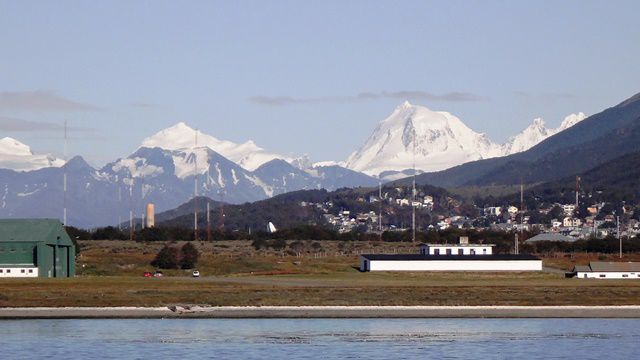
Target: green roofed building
x: 35, y: 248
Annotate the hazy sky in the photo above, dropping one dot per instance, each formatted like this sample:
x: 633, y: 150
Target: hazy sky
x: 310, y: 77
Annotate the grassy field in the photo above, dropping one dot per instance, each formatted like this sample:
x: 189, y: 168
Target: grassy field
x: 110, y: 274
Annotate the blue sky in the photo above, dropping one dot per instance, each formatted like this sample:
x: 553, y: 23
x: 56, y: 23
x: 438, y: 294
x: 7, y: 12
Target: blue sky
x: 302, y: 76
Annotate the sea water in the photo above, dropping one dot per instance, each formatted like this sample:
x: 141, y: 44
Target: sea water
x: 321, y: 339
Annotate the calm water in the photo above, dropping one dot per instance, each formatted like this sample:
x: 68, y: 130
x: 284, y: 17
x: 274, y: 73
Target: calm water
x: 321, y: 339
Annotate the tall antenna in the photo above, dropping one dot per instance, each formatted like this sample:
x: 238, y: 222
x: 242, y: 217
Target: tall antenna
x: 577, y: 191
x: 413, y: 191
x: 64, y: 179
x: 131, y: 224
x: 221, y: 220
x: 521, y: 216
x: 195, y: 189
x: 380, y: 207
x: 208, y: 223
x: 119, y: 206
x: 618, y: 231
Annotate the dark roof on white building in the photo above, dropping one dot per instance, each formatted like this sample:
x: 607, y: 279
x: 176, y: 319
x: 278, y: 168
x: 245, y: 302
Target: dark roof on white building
x: 550, y: 237
x: 414, y: 257
x: 611, y: 266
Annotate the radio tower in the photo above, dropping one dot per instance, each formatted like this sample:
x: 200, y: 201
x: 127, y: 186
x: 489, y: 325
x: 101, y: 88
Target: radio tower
x: 64, y: 179
x: 413, y: 191
x: 208, y: 223
x: 119, y: 207
x: 221, y: 220
x: 195, y: 189
x: 380, y: 208
x: 577, y: 190
x: 131, y: 223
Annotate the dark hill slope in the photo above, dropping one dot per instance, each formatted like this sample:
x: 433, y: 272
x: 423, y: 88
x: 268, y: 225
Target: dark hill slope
x: 602, y: 137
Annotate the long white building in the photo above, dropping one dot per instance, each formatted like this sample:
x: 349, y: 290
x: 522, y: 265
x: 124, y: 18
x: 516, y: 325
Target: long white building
x: 451, y: 257
x: 608, y: 270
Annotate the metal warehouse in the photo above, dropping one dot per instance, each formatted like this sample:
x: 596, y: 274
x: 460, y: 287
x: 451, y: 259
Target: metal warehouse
x: 35, y: 248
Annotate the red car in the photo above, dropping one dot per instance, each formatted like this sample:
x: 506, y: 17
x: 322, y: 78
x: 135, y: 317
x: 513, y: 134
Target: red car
x: 147, y: 274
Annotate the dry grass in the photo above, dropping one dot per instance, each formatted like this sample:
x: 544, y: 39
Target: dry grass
x: 233, y: 274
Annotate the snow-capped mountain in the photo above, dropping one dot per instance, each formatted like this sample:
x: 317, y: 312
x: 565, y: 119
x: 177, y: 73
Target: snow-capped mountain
x: 536, y: 133
x: 17, y: 156
x: 166, y: 178
x: 441, y: 141
x: 181, y: 136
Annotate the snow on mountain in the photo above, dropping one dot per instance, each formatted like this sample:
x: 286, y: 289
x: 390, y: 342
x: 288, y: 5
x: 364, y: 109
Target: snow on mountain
x: 536, y: 133
x: 17, y: 156
x: 181, y: 137
x: 441, y: 141
x: 571, y: 120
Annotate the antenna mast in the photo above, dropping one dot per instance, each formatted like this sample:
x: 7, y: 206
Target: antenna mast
x: 413, y: 191
x: 521, y: 216
x: 131, y: 224
x: 380, y: 207
x: 577, y: 190
x: 208, y: 222
x: 64, y: 178
x: 195, y: 189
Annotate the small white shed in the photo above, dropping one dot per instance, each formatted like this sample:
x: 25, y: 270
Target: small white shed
x: 608, y: 270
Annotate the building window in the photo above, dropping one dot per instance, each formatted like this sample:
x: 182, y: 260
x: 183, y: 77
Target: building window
x: 625, y: 275
x: 603, y: 275
x: 22, y: 271
x: 1, y: 271
x: 8, y: 271
x: 460, y: 252
x: 436, y: 251
x: 30, y: 271
x: 448, y: 251
x: 484, y: 251
x: 472, y: 251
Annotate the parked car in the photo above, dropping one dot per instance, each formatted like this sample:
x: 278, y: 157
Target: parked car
x: 147, y: 274
x: 196, y: 273
x: 158, y: 274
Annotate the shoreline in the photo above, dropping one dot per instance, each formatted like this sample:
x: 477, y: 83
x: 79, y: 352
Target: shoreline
x: 309, y: 312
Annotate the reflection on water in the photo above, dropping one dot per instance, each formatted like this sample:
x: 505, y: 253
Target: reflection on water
x: 321, y: 338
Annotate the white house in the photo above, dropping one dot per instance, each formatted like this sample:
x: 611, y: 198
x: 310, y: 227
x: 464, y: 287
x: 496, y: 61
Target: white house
x: 463, y: 248
x: 568, y: 209
x: 450, y: 257
x: 607, y: 270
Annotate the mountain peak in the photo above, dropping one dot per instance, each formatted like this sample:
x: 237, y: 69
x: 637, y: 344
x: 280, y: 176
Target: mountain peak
x: 182, y: 137
x: 405, y: 105
x: 571, y: 120
x: 538, y: 122
x: 11, y: 146
x: 439, y: 139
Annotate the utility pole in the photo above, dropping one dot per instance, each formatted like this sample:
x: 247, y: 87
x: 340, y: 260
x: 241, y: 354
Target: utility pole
x: 208, y: 223
x: 515, y: 248
x: 64, y: 180
x: 413, y: 191
x: 195, y: 188
x: 577, y: 192
x: 380, y: 208
x: 618, y: 232
x: 521, y: 213
x: 131, y: 223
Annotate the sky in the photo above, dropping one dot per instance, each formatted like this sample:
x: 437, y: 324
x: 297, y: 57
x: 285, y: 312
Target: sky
x: 302, y: 77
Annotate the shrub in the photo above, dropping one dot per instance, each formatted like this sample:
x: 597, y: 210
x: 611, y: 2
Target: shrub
x: 167, y: 258
x: 189, y: 256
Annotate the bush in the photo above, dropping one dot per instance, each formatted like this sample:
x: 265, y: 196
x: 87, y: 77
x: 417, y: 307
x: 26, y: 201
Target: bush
x: 167, y: 258
x: 189, y: 256
x: 259, y: 244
